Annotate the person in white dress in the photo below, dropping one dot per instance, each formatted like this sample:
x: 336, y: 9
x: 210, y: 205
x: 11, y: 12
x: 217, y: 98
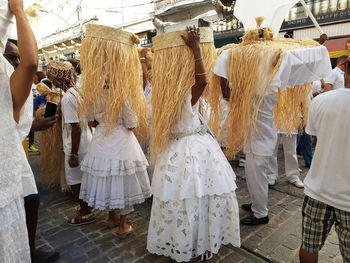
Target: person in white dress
x: 114, y: 168
x: 16, y: 177
x: 115, y: 171
x: 194, y: 210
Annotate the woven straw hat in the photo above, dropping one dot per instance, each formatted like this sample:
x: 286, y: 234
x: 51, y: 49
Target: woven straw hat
x: 174, y: 39
x: 112, y: 34
x: 60, y: 70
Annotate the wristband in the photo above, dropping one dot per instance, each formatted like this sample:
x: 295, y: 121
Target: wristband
x: 74, y: 155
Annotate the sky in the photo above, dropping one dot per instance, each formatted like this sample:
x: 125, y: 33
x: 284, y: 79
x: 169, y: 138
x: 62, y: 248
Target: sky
x: 60, y: 14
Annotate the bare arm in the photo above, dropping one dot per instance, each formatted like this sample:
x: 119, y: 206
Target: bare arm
x: 225, y: 89
x: 193, y: 42
x: 75, y: 136
x: 21, y: 80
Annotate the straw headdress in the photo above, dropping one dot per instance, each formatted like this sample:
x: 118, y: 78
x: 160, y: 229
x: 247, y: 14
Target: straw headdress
x: 112, y: 76
x: 51, y: 144
x: 259, y: 57
x: 173, y: 78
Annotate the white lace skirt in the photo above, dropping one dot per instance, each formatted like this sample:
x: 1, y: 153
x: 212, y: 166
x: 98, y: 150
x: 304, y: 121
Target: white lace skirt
x: 115, y: 171
x: 14, y: 247
x: 183, y: 229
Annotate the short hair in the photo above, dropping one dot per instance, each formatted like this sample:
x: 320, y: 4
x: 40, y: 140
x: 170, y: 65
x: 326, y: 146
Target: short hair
x: 341, y: 59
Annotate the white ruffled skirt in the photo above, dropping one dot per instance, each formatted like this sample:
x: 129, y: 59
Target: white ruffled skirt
x: 115, y: 171
x: 194, y: 205
x: 14, y: 247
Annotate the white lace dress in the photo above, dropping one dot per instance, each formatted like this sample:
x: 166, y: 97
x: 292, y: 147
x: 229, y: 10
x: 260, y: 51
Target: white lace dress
x: 115, y: 167
x: 194, y: 203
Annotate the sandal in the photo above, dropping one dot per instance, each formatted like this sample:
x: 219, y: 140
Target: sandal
x: 203, y: 258
x: 82, y: 220
x: 131, y: 230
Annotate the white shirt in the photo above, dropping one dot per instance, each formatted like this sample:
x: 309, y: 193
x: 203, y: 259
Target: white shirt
x: 328, y: 179
x: 70, y: 104
x: 298, y: 67
x: 336, y: 78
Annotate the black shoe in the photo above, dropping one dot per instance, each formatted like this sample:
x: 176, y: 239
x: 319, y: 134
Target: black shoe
x: 247, y: 207
x: 40, y: 256
x: 252, y: 220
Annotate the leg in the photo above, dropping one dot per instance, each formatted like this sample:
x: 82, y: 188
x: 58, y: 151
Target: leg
x: 305, y: 142
x: 318, y: 219
x: 31, y: 138
x: 256, y: 167
x: 31, y: 206
x: 342, y: 227
x: 85, y: 209
x: 272, y: 167
x: 126, y: 227
x: 290, y: 158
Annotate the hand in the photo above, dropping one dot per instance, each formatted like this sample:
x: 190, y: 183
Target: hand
x: 43, y: 123
x: 93, y: 124
x: 193, y: 39
x: 73, y: 161
x: 16, y: 6
x: 323, y: 39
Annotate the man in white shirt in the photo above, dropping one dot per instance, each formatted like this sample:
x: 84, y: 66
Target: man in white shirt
x: 336, y: 79
x: 327, y: 185
x: 76, y: 138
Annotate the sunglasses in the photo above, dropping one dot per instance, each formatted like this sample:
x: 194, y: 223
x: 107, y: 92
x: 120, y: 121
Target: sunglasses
x: 11, y: 57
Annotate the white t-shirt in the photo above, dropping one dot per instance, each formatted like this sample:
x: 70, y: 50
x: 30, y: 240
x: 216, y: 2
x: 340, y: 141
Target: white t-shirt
x: 70, y: 104
x: 328, y: 179
x: 336, y: 78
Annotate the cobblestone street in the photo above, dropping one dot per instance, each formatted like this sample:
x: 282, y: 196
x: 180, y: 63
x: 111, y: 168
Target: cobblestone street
x: 277, y: 241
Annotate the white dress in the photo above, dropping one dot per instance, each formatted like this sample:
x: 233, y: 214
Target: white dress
x: 194, y: 203
x: 115, y: 167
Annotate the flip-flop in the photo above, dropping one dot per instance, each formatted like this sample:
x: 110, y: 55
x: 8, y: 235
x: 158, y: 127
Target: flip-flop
x: 132, y: 230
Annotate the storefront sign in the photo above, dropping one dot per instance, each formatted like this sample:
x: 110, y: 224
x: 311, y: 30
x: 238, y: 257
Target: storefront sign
x: 325, y: 11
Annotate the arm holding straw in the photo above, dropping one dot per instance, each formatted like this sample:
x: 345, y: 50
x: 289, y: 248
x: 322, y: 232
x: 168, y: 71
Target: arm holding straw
x: 193, y: 42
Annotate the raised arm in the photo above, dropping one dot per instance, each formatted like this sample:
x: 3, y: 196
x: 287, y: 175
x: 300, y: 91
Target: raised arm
x: 21, y: 80
x: 193, y: 42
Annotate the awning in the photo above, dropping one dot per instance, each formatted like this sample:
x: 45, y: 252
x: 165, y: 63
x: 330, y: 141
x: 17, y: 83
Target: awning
x: 338, y: 47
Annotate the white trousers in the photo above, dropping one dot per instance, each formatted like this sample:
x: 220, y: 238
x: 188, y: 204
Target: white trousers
x: 290, y: 159
x: 256, y: 167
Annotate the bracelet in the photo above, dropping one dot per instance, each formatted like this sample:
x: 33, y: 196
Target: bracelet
x: 198, y: 59
x: 201, y: 74
x: 74, y: 155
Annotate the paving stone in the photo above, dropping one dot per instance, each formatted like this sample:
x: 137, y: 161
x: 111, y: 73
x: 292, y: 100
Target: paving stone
x: 278, y: 240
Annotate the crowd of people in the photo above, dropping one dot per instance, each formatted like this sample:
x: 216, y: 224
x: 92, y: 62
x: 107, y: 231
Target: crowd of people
x: 137, y: 124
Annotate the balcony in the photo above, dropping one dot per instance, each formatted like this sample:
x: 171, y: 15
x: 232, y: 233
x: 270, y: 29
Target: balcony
x: 168, y: 7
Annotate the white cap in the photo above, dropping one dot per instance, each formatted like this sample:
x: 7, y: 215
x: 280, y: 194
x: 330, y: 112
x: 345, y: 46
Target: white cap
x: 274, y: 12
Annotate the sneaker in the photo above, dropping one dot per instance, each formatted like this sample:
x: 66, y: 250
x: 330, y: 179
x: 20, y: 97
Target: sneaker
x: 271, y: 182
x: 298, y: 183
x: 252, y: 220
x: 300, y: 170
x: 32, y: 148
